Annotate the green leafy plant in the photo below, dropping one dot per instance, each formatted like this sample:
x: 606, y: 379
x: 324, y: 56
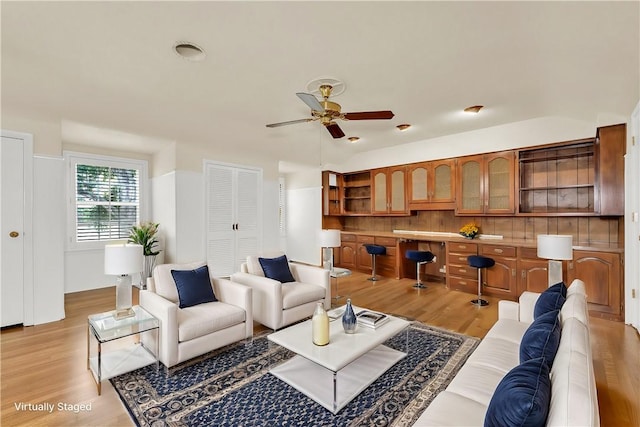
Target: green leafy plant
x: 144, y: 234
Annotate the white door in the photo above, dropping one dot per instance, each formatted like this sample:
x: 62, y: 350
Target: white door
x: 232, y: 216
x: 12, y: 243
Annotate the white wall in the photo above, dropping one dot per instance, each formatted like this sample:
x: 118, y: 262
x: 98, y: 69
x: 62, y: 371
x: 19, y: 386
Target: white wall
x: 526, y: 133
x: 304, y: 220
x: 48, y: 248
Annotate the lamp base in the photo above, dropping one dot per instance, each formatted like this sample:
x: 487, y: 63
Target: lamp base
x: 123, y: 298
x: 124, y: 313
x: 554, y: 272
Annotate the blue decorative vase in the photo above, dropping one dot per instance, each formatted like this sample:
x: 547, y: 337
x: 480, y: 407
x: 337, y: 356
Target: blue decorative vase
x: 349, y: 319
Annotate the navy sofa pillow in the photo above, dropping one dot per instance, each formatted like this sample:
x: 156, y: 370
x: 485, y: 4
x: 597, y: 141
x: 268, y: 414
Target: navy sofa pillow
x: 541, y: 339
x: 194, y: 286
x: 558, y: 287
x: 548, y: 301
x: 277, y: 269
x: 522, y: 397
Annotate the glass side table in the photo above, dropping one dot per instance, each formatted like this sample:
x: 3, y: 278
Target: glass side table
x: 103, y: 328
x: 336, y: 273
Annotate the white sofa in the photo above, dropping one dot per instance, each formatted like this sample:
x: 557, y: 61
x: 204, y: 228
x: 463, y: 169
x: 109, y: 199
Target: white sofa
x: 189, y: 332
x: 277, y: 304
x: 573, y: 389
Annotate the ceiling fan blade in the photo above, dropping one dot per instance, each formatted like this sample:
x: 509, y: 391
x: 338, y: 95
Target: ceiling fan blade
x: 369, y: 115
x: 335, y: 130
x: 311, y: 101
x: 291, y: 122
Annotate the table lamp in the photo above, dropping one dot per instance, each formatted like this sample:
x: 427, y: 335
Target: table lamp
x: 329, y: 239
x: 122, y: 260
x: 555, y: 248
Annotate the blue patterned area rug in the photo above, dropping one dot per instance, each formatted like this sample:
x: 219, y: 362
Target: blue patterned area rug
x: 232, y: 386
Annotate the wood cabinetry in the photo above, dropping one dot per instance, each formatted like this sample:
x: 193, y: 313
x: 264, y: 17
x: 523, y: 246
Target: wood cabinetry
x: 501, y: 280
x: 431, y: 185
x: 348, y: 252
x: 532, y: 273
x: 356, y: 193
x: 610, y: 151
x: 331, y: 193
x: 558, y: 179
x: 485, y: 184
x: 353, y: 254
x: 389, y: 191
x: 460, y: 276
x: 601, y: 273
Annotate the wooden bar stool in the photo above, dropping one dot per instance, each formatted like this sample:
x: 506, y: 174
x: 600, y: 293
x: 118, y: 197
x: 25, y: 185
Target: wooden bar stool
x: 420, y: 258
x: 480, y: 262
x: 374, y: 251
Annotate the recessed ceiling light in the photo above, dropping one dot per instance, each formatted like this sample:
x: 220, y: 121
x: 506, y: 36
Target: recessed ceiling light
x: 189, y: 51
x: 473, y: 109
x: 353, y: 139
x: 403, y: 127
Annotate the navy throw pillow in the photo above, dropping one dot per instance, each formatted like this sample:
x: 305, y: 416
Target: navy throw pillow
x: 277, y: 269
x: 548, y: 301
x: 541, y: 339
x: 558, y: 287
x: 194, y: 286
x: 522, y: 398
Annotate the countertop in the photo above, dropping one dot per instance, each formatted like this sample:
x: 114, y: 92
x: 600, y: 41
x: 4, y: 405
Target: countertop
x: 481, y: 239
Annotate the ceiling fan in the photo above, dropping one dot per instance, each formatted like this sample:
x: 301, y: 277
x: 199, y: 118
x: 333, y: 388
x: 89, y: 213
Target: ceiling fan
x: 327, y: 111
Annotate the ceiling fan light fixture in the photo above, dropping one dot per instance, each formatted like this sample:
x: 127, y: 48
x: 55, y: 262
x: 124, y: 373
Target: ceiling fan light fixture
x: 353, y: 139
x: 474, y: 109
x: 189, y: 51
x: 403, y: 127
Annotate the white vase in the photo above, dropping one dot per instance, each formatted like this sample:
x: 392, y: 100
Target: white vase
x: 147, y: 271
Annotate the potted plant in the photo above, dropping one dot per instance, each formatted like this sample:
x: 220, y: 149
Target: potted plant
x: 144, y: 234
x: 469, y: 231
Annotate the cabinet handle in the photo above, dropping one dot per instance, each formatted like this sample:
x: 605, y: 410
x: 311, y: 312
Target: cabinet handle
x: 462, y: 270
x: 571, y: 265
x: 524, y: 274
x: 462, y: 246
x: 498, y: 251
x: 462, y: 282
x: 513, y: 272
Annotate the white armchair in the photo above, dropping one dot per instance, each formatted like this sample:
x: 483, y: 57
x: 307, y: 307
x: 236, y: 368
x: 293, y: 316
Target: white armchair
x: 191, y: 331
x: 277, y: 304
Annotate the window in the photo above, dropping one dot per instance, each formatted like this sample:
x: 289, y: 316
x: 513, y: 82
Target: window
x: 106, y: 196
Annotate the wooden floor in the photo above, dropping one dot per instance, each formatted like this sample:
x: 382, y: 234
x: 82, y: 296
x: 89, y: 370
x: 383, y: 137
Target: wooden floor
x: 47, y: 363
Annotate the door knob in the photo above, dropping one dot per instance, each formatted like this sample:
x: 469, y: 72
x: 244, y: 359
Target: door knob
x: 14, y: 234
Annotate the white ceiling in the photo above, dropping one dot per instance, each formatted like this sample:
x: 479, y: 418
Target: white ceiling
x: 107, y: 71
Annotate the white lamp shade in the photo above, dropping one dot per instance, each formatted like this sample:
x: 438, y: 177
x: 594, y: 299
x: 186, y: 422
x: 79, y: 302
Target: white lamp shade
x: 122, y: 259
x: 329, y: 238
x: 556, y: 247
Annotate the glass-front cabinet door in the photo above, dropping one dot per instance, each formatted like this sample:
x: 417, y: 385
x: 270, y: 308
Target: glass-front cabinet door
x: 470, y: 185
x: 380, y: 203
x: 442, y: 182
x: 500, y: 183
x: 397, y: 199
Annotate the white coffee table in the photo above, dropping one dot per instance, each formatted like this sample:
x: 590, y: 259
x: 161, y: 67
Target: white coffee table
x: 334, y: 374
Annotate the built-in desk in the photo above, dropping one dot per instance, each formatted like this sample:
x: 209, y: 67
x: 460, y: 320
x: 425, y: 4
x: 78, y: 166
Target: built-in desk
x: 517, y: 267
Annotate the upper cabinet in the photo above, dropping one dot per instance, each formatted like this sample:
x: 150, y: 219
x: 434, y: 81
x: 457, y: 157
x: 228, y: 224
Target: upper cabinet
x: 584, y: 177
x: 431, y: 185
x: 331, y: 197
x: 611, y: 144
x: 389, y: 190
x: 558, y: 179
x: 356, y: 193
x: 485, y: 184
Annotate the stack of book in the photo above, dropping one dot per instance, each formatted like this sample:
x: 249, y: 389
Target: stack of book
x: 371, y: 319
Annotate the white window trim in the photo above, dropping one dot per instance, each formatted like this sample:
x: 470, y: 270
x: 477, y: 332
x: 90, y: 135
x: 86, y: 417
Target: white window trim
x: 71, y: 159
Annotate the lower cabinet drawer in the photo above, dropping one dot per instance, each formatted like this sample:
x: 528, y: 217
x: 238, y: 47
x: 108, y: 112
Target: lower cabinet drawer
x: 463, y: 284
x: 463, y: 271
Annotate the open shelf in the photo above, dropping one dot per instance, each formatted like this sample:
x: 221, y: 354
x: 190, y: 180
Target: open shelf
x: 558, y: 179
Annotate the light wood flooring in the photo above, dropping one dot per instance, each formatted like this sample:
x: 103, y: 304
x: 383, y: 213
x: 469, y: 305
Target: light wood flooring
x: 47, y: 363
